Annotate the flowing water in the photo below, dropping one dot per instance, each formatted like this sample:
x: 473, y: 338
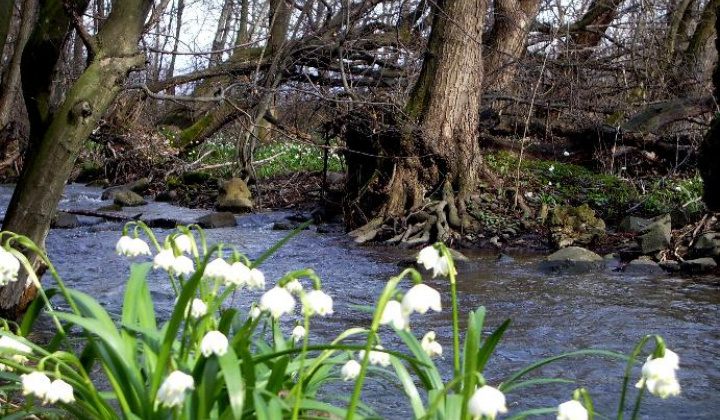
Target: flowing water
x: 551, y: 313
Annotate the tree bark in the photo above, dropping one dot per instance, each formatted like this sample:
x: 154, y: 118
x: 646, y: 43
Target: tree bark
x: 9, y: 91
x: 438, y: 145
x: 710, y: 148
x: 59, y: 136
x: 222, y: 31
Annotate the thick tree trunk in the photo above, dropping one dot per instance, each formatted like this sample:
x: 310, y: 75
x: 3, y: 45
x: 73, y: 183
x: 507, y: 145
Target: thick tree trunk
x: 710, y: 149
x: 442, y: 148
x: 9, y: 91
x: 60, y: 136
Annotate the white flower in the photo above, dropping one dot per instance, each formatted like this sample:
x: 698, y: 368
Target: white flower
x: 59, y: 391
x: 277, y: 301
x: 255, y: 312
x: 420, y: 298
x: 217, y: 269
x: 394, y: 314
x: 14, y: 350
x: 566, y: 153
x: 294, y: 286
x: 318, y: 302
x: 298, y: 333
x: 172, y: 391
x: 214, y: 342
x: 430, y: 258
x: 551, y: 168
x: 376, y: 357
x: 431, y: 347
x: 659, y: 375
x: 572, y: 410
x: 182, y: 266
x: 198, y: 308
x: 238, y: 275
x: 183, y: 243
x: 256, y: 280
x: 132, y: 247
x: 164, y: 259
x: 9, y: 267
x: 487, y: 401
x: 350, y: 370
x: 35, y: 383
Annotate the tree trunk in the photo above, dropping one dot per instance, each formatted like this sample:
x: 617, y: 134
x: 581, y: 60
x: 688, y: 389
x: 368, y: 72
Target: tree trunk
x: 222, y: 31
x: 9, y: 91
x: 60, y: 136
x: 710, y: 148
x: 439, y: 143
x: 176, y: 43
x: 506, y: 42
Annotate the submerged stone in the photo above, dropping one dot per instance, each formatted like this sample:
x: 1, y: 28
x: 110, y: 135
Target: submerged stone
x: 572, y: 259
x: 217, y: 220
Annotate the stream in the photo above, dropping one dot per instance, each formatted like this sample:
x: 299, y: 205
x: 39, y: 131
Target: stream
x: 551, y: 313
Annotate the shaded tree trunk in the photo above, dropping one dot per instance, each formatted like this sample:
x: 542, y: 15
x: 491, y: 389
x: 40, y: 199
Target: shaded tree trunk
x: 438, y: 144
x: 710, y: 149
x: 57, y: 137
x: 9, y: 91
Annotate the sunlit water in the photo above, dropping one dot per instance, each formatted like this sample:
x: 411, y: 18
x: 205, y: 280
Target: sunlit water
x: 551, y: 314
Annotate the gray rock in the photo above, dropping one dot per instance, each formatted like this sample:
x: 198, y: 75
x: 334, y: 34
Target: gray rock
x: 656, y: 236
x: 643, y: 267
x: 109, y: 194
x: 64, y: 220
x: 127, y: 198
x: 217, y: 220
x: 633, y: 224
x: 699, y: 265
x: 574, y: 226
x: 571, y: 260
x: 707, y: 245
x: 234, y: 195
x: 140, y: 186
x: 671, y: 266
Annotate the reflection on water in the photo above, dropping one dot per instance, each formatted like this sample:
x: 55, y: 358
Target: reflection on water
x: 551, y: 314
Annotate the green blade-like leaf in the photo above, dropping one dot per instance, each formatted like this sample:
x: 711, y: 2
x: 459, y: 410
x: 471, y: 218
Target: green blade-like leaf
x: 409, y: 387
x: 230, y: 367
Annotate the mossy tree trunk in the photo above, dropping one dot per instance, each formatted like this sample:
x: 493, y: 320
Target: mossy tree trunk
x: 710, y: 148
x: 58, y: 135
x: 438, y: 142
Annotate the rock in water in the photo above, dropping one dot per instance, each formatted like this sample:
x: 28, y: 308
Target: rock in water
x: 234, y: 195
x: 127, y: 198
x: 656, y: 236
x: 574, y: 226
x: 217, y: 220
x: 572, y: 260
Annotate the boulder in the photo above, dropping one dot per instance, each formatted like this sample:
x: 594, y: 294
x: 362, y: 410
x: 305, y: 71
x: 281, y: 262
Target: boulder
x: 572, y: 260
x: 234, y: 195
x: 140, y: 186
x: 707, y: 245
x: 633, y: 224
x: 655, y: 236
x: 574, y: 226
x: 670, y: 265
x: 697, y: 266
x: 127, y: 198
x: 643, y: 267
x: 64, y: 220
x: 217, y: 220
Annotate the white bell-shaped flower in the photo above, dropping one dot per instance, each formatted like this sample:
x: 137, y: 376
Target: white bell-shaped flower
x: 431, y: 347
x: 217, y: 269
x: 572, y: 410
x: 658, y: 374
x: 255, y: 312
x: 215, y: 343
x: 14, y: 350
x: 60, y: 391
x: 9, y: 267
x: 182, y: 266
x: 277, y: 301
x: 350, y: 370
x: 420, y: 298
x: 123, y: 245
x: 256, y: 280
x: 430, y: 258
x: 318, y: 302
x: 35, y: 383
x: 395, y: 315
x: 238, y: 275
x: 132, y: 247
x: 376, y: 357
x: 198, y: 308
x: 183, y: 243
x: 173, y: 389
x: 487, y: 401
x: 294, y: 286
x: 164, y: 259
x: 298, y: 333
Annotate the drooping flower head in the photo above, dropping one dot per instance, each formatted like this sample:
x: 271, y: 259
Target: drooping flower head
x: 35, y: 383
x: 183, y: 243
x: 298, y: 333
x: 277, y: 301
x: 420, y: 298
x: 238, y: 275
x: 198, y: 308
x: 164, y: 259
x: 132, y: 247
x: 172, y: 391
x: 182, y: 266
x: 658, y: 374
x: 217, y: 269
x: 431, y: 258
x: 431, y: 347
x: 486, y: 401
x: 395, y: 315
x: 59, y: 391
x: 294, y: 286
x: 256, y: 280
x: 376, y: 357
x: 9, y: 267
x: 572, y: 410
x: 350, y: 370
x: 215, y: 343
x: 14, y: 350
x: 318, y: 302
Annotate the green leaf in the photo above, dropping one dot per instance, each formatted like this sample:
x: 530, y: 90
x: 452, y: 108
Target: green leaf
x: 489, y: 345
x: 230, y: 367
x: 409, y: 387
x: 267, y: 254
x: 471, y: 356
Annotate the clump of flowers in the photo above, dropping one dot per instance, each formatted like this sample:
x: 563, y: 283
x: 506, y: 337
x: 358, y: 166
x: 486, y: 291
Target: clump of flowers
x: 132, y: 247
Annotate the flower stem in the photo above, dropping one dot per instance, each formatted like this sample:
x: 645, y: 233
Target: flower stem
x: 455, y: 315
